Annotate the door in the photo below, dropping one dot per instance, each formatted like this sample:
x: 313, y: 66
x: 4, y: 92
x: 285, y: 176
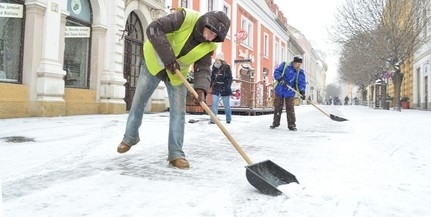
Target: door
x: 134, y: 38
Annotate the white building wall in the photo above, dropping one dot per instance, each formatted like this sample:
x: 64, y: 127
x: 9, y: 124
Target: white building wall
x: 111, y: 79
x: 421, y: 70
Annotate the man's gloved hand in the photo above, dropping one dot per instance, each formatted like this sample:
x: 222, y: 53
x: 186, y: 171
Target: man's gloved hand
x: 302, y: 95
x: 173, y: 66
x: 201, y: 96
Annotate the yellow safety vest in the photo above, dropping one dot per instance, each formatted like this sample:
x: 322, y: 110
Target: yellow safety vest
x: 177, y: 40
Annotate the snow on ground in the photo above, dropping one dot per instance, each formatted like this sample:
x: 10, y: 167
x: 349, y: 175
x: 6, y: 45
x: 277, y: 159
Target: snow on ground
x: 375, y: 164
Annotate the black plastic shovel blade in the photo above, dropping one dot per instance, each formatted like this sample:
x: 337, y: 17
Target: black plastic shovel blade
x: 336, y: 118
x: 266, y: 176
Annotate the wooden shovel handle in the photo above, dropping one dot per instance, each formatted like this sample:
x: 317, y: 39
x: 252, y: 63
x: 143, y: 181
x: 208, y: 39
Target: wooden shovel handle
x: 214, y: 118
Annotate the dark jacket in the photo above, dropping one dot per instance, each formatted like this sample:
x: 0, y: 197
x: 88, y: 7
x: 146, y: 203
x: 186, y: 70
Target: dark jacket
x: 292, y: 77
x: 221, y: 80
x: 156, y: 33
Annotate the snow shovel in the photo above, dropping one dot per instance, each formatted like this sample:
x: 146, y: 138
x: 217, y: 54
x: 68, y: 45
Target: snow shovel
x: 333, y: 117
x: 265, y: 176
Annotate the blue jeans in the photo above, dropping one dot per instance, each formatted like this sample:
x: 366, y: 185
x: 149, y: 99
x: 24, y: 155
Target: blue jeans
x: 226, y: 104
x: 146, y: 85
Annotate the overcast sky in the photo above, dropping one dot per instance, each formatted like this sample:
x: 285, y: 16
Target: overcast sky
x: 313, y: 18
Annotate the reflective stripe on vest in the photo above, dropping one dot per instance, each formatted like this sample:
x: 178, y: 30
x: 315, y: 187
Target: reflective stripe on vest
x: 282, y: 74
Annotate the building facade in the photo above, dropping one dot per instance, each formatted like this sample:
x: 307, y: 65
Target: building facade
x: 70, y: 57
x: 73, y: 57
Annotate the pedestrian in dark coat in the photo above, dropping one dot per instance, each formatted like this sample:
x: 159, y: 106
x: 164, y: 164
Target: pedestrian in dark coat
x: 221, y: 81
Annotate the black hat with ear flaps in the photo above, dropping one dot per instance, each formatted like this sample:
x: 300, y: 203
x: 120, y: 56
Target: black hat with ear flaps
x: 216, y: 21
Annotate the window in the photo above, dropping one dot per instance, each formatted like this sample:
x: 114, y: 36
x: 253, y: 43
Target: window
x: 11, y: 40
x: 276, y: 54
x: 265, y: 45
x: 76, y: 61
x: 210, y: 5
x: 248, y: 26
x: 283, y: 54
x: 184, y: 3
x: 226, y: 10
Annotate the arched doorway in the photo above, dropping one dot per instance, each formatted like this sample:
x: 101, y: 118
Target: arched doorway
x: 134, y: 38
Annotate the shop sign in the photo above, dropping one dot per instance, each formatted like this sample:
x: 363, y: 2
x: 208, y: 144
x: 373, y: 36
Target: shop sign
x: 11, y: 10
x: 77, y: 32
x: 242, y: 35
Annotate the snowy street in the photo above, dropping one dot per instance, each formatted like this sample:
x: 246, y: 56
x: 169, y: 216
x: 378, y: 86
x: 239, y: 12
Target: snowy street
x: 376, y: 164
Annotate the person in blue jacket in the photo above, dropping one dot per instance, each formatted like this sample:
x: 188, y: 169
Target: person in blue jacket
x: 292, y: 75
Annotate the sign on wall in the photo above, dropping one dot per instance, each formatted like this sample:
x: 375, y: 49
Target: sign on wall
x: 77, y: 32
x: 241, y: 35
x: 11, y: 10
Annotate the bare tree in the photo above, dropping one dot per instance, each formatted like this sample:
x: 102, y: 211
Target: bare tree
x: 357, y: 65
x: 391, y: 30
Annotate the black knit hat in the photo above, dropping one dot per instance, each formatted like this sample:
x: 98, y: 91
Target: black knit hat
x: 297, y: 59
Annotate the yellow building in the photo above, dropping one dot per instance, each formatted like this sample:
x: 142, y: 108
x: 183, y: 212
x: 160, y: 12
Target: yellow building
x: 407, y: 84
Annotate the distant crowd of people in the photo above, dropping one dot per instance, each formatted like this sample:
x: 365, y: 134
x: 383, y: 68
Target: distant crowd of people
x: 337, y: 101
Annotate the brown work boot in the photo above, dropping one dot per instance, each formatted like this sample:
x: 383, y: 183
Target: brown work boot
x: 180, y: 163
x: 123, y: 148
